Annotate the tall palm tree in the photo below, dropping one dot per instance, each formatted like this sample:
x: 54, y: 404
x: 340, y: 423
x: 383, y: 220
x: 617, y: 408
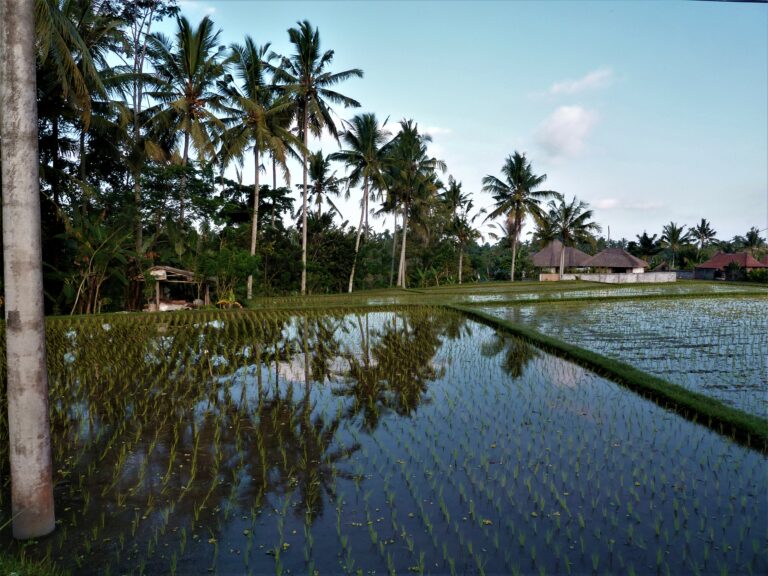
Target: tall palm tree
x: 366, y: 143
x: 516, y: 196
x: 703, y: 233
x: 410, y: 178
x: 324, y: 182
x: 250, y: 107
x: 190, y: 68
x: 571, y: 223
x: 27, y: 385
x: 464, y: 229
x: 305, y: 77
x: 675, y: 237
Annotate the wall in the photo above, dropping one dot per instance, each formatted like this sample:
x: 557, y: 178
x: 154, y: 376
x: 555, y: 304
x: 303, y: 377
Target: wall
x: 630, y: 278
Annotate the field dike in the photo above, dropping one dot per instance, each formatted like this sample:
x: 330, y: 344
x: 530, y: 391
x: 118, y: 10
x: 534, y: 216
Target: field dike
x: 749, y: 430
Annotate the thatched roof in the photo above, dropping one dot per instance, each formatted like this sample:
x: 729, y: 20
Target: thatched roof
x: 615, y: 258
x: 744, y: 259
x: 549, y: 256
x: 171, y: 274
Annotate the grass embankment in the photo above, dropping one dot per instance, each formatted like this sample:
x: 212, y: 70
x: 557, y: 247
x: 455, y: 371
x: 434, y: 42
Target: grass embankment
x: 10, y: 565
x: 745, y: 428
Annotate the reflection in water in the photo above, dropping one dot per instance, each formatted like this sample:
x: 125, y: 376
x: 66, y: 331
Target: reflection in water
x: 389, y: 442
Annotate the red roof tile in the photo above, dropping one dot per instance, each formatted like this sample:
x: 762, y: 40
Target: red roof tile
x: 744, y: 259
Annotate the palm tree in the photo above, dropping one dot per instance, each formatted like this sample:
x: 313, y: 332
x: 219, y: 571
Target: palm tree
x: 675, y: 237
x: 365, y: 154
x: 645, y: 247
x: 410, y: 178
x: 304, y: 76
x: 753, y: 241
x: 571, y: 224
x: 324, y: 182
x: 26, y: 380
x: 516, y: 196
x: 190, y: 69
x: 703, y: 233
x: 463, y: 227
x: 250, y: 108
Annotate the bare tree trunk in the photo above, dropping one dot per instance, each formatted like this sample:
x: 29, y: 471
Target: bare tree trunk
x: 514, y: 256
x: 255, y: 219
x: 359, y: 233
x: 562, y: 261
x: 304, y: 208
x: 183, y: 187
x: 401, y: 282
x: 274, y: 187
x: 27, y: 381
x: 394, y: 251
x: 461, y: 261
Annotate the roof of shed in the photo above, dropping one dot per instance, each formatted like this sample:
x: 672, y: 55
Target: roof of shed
x: 549, y: 256
x: 615, y: 258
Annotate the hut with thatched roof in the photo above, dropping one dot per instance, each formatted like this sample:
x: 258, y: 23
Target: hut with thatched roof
x: 617, y: 260
x: 548, y: 258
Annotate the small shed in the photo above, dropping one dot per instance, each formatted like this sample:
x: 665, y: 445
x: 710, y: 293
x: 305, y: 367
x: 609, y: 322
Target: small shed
x: 617, y: 260
x: 716, y: 266
x: 167, y: 295
x: 549, y: 257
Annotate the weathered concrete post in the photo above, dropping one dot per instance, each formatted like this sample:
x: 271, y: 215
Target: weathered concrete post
x: 28, y: 424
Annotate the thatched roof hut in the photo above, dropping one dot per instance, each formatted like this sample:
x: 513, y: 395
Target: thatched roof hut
x: 618, y: 260
x: 549, y: 256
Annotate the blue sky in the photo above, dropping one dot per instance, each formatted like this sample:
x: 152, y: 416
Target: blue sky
x: 649, y: 111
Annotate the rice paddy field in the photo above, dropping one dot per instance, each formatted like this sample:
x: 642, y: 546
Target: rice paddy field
x: 389, y: 435
x: 715, y: 346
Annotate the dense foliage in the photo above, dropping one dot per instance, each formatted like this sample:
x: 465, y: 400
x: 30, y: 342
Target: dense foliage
x: 137, y: 131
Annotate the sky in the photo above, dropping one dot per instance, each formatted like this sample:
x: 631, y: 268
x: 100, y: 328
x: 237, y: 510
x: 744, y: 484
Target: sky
x: 651, y: 112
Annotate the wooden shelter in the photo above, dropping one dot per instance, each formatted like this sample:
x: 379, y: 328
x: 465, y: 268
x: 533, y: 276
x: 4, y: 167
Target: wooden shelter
x: 617, y: 260
x: 165, y: 278
x: 549, y: 257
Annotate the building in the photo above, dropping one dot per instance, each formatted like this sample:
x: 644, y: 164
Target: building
x: 617, y: 260
x: 548, y: 258
x: 716, y: 267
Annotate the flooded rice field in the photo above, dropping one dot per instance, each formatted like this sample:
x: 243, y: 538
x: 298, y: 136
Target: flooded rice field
x: 401, y: 441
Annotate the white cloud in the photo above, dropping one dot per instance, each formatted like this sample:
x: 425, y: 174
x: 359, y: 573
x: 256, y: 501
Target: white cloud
x: 195, y: 7
x: 617, y: 204
x: 565, y: 131
x: 436, y: 131
x: 596, y: 79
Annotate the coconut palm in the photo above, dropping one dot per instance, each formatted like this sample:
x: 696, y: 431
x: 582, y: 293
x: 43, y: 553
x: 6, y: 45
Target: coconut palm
x: 250, y: 107
x: 517, y: 196
x: 645, y: 247
x: 703, y: 233
x: 410, y: 179
x: 675, y: 237
x: 366, y: 144
x: 464, y: 229
x: 570, y: 222
x: 305, y: 77
x: 324, y: 182
x: 26, y: 378
x: 190, y: 68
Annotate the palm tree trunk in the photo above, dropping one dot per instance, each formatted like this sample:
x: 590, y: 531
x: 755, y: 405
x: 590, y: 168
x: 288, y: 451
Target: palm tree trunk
x: 461, y: 261
x: 359, y: 233
x: 562, y: 261
x: 183, y: 187
x: 27, y: 383
x: 304, y: 207
x: 401, y: 282
x: 394, y: 250
x: 274, y: 187
x: 514, y: 257
x: 255, y: 219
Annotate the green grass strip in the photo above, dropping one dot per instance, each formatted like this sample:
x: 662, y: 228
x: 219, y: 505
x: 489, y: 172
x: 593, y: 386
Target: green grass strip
x: 747, y: 429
